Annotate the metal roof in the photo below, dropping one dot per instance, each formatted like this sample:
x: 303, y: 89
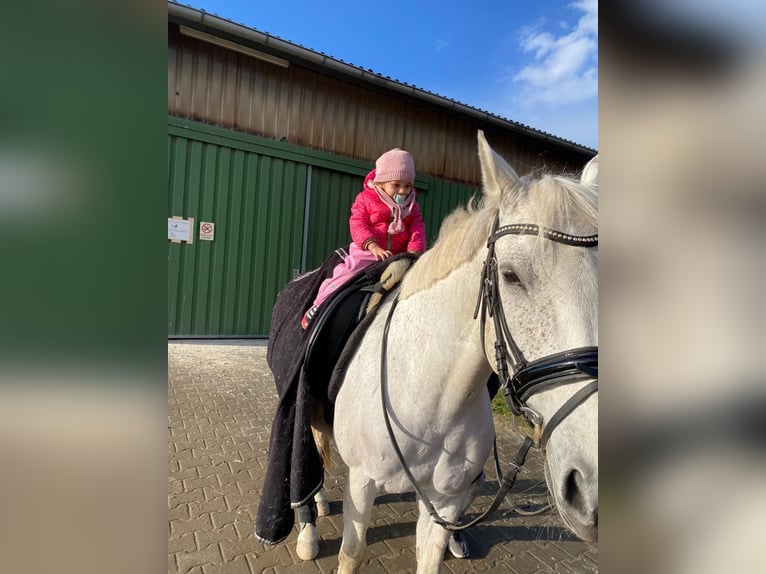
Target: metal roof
x: 227, y: 29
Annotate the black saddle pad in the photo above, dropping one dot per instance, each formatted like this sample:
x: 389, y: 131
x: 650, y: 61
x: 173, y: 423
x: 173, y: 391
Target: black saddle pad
x: 294, y: 472
x: 331, y: 330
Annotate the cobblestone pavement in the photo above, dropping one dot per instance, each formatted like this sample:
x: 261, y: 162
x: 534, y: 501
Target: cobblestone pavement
x: 221, y: 401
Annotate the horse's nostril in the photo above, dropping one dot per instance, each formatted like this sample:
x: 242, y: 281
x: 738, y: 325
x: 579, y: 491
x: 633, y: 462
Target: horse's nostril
x: 573, y: 490
x: 578, y: 501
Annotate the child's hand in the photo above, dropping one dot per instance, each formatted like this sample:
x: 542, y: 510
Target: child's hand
x: 379, y: 253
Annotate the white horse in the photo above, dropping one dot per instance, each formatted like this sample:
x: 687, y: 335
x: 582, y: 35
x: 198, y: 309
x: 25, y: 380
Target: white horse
x: 438, y: 359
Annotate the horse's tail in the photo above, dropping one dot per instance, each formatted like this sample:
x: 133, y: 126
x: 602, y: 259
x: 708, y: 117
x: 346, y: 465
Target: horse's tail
x: 322, y: 441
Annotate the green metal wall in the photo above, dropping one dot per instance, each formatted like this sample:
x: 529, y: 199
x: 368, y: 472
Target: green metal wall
x: 261, y: 195
x: 227, y: 286
x: 330, y: 201
x: 439, y: 200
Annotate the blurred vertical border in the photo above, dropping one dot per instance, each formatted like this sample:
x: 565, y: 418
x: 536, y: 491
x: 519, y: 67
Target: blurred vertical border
x: 82, y: 286
x: 682, y: 267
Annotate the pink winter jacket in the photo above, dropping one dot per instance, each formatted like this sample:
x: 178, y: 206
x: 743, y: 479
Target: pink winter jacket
x: 370, y: 218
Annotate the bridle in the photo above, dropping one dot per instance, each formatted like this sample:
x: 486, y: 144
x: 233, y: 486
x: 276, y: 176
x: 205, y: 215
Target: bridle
x: 524, y: 378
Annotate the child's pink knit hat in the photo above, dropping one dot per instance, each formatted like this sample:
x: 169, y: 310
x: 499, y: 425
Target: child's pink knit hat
x: 395, y: 165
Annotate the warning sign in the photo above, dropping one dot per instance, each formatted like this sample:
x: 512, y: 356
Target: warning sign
x: 206, y: 230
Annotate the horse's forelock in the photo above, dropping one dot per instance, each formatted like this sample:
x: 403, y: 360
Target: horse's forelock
x: 564, y: 204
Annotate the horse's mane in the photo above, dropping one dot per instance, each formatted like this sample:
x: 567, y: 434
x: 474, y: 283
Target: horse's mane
x: 555, y: 201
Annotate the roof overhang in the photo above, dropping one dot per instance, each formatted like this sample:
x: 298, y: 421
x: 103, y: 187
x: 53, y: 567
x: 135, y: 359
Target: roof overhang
x: 261, y: 45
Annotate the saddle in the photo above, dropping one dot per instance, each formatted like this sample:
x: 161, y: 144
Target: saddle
x: 340, y: 316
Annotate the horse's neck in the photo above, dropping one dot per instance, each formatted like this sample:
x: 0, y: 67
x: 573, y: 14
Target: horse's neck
x: 444, y: 337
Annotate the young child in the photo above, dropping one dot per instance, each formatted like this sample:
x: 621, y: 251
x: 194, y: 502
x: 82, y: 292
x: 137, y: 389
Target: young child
x: 385, y: 220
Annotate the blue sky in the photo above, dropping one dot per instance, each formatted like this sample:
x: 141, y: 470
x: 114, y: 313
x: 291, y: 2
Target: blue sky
x: 533, y: 62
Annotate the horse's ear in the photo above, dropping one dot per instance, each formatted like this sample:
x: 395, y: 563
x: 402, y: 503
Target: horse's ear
x: 590, y: 172
x: 495, y: 171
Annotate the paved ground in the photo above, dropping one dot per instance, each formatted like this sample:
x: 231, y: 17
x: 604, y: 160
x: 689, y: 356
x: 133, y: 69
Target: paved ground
x: 221, y: 401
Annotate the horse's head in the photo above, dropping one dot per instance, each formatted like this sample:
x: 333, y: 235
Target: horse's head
x: 547, y: 285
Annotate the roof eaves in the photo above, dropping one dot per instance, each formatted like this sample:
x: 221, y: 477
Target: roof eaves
x: 214, y: 22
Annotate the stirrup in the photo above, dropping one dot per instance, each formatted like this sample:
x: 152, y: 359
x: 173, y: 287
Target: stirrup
x: 308, y: 316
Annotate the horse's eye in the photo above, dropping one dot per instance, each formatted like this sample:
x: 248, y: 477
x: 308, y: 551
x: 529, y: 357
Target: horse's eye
x: 511, y: 277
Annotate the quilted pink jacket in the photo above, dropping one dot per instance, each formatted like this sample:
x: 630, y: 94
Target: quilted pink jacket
x: 370, y: 218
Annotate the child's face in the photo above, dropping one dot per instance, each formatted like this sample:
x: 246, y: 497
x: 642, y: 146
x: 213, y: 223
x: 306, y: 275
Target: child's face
x: 394, y: 188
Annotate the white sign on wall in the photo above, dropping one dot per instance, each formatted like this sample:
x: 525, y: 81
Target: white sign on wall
x: 180, y: 229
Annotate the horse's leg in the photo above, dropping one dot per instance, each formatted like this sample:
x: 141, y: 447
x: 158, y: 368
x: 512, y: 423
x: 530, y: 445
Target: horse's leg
x: 322, y: 442
x: 358, y: 499
x: 430, y: 541
x: 421, y: 531
x: 307, y: 547
x: 323, y: 507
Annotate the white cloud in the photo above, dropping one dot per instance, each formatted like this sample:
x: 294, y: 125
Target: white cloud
x: 564, y: 68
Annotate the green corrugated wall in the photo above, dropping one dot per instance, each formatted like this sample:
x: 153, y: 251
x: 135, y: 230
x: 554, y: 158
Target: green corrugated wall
x: 439, y: 200
x: 332, y: 193
x: 261, y: 195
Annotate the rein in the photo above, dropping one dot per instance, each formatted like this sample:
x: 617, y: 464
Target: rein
x: 528, y: 378
x: 507, y: 482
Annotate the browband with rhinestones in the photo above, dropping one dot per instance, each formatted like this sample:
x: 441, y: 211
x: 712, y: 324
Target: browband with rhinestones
x: 552, y: 234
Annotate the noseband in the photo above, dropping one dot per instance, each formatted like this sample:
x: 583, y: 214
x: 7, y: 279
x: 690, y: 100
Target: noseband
x: 526, y: 378
x: 523, y: 380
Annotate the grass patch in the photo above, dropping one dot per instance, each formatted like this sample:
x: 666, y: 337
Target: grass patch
x: 499, y: 406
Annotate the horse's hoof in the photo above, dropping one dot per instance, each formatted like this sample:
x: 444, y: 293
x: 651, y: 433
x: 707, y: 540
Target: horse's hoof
x: 307, y: 551
x: 323, y: 508
x: 308, y: 543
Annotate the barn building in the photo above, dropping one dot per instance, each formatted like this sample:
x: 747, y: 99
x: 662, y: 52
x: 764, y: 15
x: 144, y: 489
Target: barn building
x: 268, y: 142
